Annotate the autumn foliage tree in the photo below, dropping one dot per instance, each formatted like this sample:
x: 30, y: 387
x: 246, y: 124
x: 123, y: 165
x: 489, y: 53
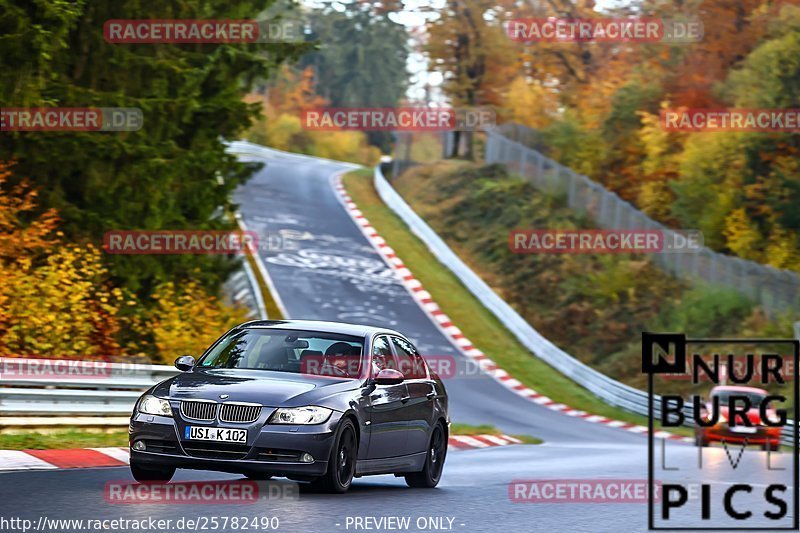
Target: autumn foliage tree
x: 474, y: 56
x: 182, y: 327
x: 57, y: 299
x: 280, y: 125
x: 598, y: 111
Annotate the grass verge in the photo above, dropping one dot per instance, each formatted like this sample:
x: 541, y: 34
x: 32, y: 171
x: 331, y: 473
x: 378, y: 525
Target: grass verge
x: 476, y: 322
x: 273, y: 311
x: 64, y: 439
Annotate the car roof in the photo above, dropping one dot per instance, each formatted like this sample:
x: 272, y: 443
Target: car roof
x: 321, y: 326
x: 737, y: 388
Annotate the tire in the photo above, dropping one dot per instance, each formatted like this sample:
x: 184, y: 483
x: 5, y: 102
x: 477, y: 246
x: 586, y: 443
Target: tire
x: 341, y: 463
x: 435, y: 456
x: 151, y: 474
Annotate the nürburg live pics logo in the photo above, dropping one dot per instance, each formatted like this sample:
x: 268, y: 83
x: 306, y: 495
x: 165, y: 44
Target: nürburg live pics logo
x: 737, y: 400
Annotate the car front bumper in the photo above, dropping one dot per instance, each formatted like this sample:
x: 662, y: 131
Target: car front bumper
x: 273, y: 449
x: 762, y: 435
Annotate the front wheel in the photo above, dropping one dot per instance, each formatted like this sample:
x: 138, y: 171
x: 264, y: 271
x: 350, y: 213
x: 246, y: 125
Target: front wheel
x: 434, y: 462
x: 342, y: 462
x: 151, y: 474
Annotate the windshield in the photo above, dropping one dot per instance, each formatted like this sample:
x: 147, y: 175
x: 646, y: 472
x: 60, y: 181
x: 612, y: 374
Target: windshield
x: 755, y: 398
x: 283, y: 350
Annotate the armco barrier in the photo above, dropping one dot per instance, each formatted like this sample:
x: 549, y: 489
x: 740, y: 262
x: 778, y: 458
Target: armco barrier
x: 609, y: 390
x: 55, y: 399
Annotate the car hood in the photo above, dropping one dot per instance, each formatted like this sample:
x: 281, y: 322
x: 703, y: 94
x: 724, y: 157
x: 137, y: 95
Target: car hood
x: 272, y: 389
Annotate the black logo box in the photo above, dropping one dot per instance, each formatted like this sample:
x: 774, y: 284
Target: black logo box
x: 657, y: 343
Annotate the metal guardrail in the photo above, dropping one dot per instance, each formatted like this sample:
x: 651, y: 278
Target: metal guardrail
x: 55, y: 392
x: 608, y: 389
x: 241, y: 288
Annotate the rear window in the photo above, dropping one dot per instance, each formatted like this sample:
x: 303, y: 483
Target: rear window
x: 724, y: 397
x: 285, y: 350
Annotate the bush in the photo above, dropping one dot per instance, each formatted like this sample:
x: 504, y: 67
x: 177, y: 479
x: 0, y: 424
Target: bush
x: 185, y: 320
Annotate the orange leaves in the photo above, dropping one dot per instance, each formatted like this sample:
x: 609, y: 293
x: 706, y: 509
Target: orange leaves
x: 530, y: 104
x: 61, y: 308
x: 57, y: 301
x: 17, y: 233
x: 290, y: 93
x: 280, y: 125
x: 469, y: 47
x: 185, y: 320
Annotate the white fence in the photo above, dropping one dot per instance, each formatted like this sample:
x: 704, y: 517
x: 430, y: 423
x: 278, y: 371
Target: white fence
x: 609, y: 390
x: 773, y: 289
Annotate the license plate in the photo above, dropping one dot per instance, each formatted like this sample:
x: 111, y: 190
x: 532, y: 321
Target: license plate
x: 743, y: 429
x: 216, y: 434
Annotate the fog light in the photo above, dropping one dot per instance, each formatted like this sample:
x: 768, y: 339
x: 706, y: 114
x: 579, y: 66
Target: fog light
x: 306, y: 458
x: 139, y: 446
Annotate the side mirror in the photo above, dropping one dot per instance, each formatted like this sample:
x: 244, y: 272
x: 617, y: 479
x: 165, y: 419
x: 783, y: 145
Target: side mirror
x: 184, y: 363
x: 389, y: 376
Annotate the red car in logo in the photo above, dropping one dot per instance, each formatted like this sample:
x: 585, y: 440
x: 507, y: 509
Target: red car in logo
x: 753, y: 430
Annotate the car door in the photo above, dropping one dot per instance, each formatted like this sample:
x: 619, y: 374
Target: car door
x: 421, y: 391
x: 387, y: 415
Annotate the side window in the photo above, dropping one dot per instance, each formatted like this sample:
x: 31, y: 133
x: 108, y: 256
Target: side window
x: 411, y: 364
x: 381, y: 355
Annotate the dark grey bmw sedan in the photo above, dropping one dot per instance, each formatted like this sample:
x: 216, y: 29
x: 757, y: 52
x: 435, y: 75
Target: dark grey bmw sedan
x: 321, y: 402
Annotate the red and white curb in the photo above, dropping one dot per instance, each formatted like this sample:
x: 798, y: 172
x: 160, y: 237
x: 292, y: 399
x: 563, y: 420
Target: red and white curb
x: 59, y: 459
x: 466, y: 442
x: 464, y: 345
x: 11, y: 460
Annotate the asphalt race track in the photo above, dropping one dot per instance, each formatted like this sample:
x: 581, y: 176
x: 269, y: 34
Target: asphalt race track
x: 331, y: 272
x: 323, y: 268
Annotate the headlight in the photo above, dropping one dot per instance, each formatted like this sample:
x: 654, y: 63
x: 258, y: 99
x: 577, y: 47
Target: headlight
x: 300, y: 415
x: 154, y: 406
